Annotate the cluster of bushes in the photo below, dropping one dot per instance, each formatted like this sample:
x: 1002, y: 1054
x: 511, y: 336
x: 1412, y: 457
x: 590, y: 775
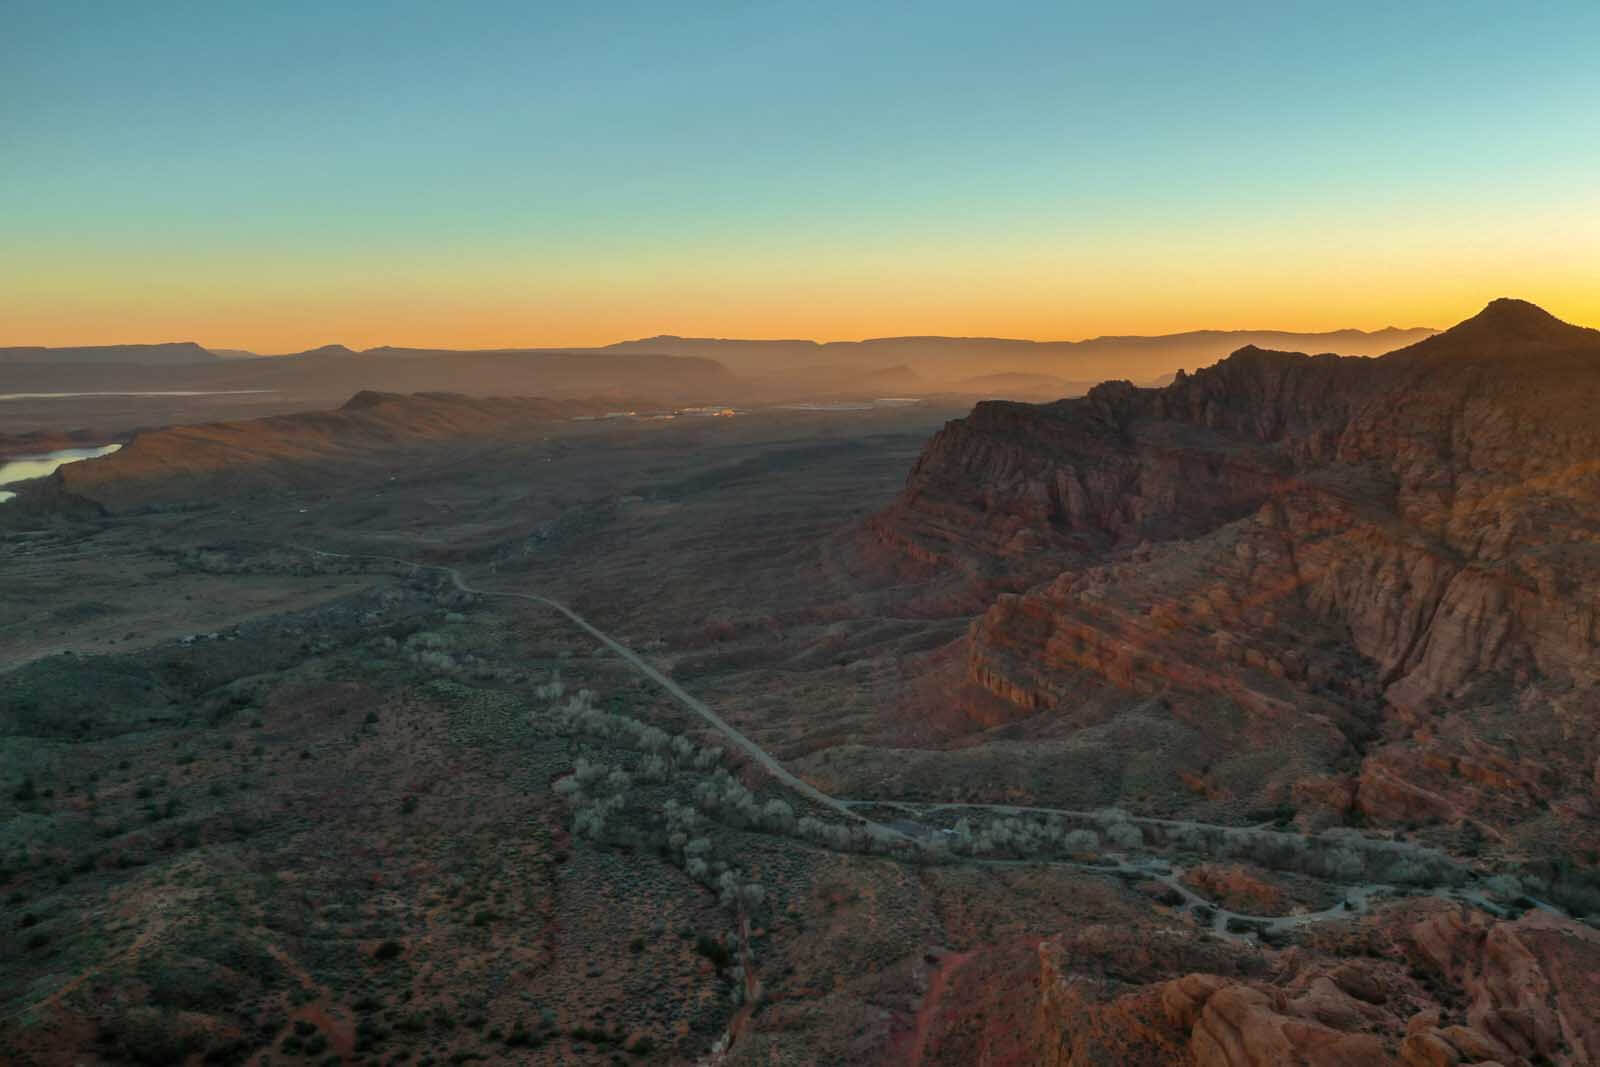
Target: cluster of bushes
x: 597, y: 792
x: 1023, y: 838
x: 1340, y: 854
x: 595, y: 795
x: 594, y: 791
x: 1562, y: 882
x: 435, y: 652
x: 868, y: 837
x: 723, y: 795
x: 665, y: 753
x: 1044, y: 835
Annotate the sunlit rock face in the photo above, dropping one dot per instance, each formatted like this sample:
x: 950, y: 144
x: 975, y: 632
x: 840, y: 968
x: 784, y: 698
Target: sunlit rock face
x: 1394, y: 561
x: 179, y: 463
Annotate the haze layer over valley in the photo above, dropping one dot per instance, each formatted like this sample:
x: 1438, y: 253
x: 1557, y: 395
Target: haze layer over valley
x: 773, y: 535
x: 120, y: 387
x: 1242, y: 719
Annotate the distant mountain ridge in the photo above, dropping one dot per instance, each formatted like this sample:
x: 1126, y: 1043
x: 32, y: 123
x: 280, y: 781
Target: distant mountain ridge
x: 173, y: 353
x: 949, y: 359
x: 939, y: 357
x: 661, y: 342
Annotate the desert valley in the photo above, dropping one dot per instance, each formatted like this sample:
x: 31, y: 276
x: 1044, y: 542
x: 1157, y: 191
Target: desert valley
x: 799, y: 535
x: 1242, y: 719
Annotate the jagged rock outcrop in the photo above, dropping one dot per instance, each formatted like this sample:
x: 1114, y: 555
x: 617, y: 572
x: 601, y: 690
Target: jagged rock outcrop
x: 1530, y: 985
x: 1348, y: 548
x: 1457, y: 988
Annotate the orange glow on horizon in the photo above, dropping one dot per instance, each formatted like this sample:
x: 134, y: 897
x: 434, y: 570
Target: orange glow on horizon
x: 1310, y: 276
x: 484, y: 326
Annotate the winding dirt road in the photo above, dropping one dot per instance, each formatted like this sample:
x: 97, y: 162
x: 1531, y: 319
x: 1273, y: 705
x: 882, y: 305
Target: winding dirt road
x: 640, y: 664
x: 1356, y: 897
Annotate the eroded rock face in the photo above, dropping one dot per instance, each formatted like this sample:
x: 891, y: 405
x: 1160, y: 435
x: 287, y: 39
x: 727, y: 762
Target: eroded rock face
x: 1360, y: 553
x: 1476, y: 991
x: 1532, y: 984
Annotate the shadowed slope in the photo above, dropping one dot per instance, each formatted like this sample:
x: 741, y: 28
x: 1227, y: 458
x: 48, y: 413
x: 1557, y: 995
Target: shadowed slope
x: 289, y: 449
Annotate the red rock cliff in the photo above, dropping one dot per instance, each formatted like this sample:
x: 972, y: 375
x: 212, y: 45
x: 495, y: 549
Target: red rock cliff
x: 1363, y: 545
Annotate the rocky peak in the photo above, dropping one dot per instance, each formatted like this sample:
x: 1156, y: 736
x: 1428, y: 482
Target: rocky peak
x: 1508, y: 327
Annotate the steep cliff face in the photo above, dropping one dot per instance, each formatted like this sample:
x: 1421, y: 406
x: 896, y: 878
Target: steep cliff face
x: 1366, y: 545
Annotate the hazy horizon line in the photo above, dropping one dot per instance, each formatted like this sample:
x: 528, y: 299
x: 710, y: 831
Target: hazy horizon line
x: 675, y: 337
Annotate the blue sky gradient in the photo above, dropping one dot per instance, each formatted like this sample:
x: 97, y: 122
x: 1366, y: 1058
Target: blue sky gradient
x: 561, y: 173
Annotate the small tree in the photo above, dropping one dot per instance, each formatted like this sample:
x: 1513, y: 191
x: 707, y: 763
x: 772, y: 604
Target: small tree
x: 1081, y: 842
x: 1124, y: 835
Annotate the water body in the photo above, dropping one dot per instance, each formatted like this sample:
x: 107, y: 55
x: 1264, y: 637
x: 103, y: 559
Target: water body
x: 174, y: 392
x: 23, y: 468
x: 852, y: 405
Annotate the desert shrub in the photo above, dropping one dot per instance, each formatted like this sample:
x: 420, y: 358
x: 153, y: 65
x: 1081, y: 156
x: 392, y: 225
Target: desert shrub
x: 1344, y: 864
x: 593, y: 1034
x: 553, y: 689
x: 1124, y: 835
x: 1081, y: 842
x: 149, y: 1036
x: 1563, y: 883
x: 187, y: 984
x: 713, y: 950
x: 778, y: 815
x: 880, y: 838
x: 1504, y: 886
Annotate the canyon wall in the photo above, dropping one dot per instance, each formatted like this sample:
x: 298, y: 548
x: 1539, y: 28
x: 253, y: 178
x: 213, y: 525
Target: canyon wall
x: 1395, y: 549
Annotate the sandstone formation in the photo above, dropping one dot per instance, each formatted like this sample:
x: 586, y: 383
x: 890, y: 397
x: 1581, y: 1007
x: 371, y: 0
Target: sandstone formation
x: 1449, y: 988
x: 1387, y: 570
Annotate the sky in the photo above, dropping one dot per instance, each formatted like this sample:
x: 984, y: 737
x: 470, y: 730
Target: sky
x: 281, y: 175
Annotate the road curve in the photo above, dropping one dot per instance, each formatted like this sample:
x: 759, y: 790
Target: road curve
x: 924, y: 806
x: 640, y: 664
x: 1357, y: 896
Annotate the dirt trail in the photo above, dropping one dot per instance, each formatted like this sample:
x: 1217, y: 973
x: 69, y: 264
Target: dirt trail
x: 928, y: 1011
x: 1358, y: 896
x: 77, y: 981
x: 633, y: 659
